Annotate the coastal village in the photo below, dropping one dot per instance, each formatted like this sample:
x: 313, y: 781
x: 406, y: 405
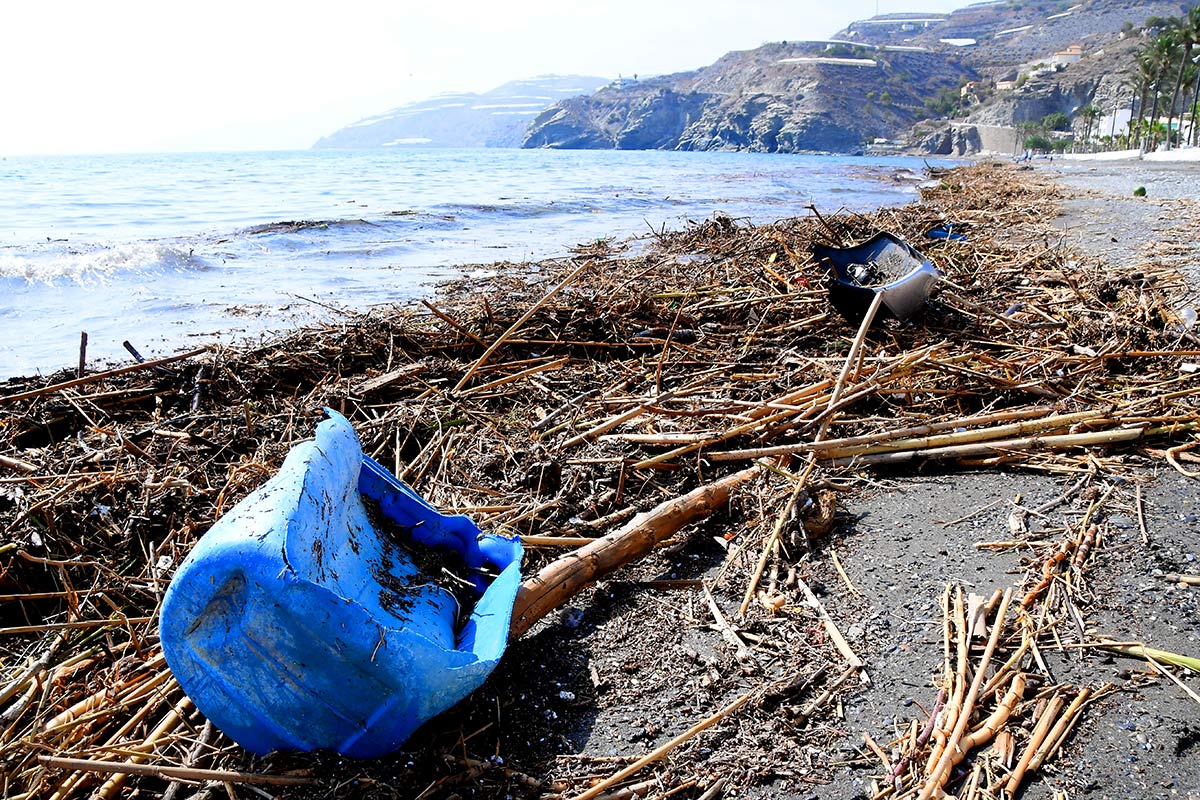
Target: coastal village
x: 885, y: 504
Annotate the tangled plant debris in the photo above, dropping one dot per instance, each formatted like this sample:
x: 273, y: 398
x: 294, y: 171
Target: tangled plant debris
x: 560, y: 401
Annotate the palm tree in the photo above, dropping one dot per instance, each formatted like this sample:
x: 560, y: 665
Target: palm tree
x: 1191, y: 80
x: 1132, y: 82
x: 1089, y: 114
x: 1143, y: 76
x: 1187, y: 29
x: 1195, y: 101
x: 1164, y: 50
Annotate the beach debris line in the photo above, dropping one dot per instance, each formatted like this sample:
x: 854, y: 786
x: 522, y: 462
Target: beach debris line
x: 590, y: 411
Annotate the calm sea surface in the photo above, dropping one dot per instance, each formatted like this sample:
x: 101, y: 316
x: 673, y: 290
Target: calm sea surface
x: 175, y: 251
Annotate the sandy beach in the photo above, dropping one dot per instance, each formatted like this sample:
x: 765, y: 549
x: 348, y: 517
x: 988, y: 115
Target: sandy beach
x: 1143, y: 741
x: 629, y: 386
x: 1103, y: 218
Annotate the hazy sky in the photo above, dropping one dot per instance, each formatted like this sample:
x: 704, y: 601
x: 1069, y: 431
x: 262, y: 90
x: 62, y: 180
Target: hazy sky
x: 85, y: 77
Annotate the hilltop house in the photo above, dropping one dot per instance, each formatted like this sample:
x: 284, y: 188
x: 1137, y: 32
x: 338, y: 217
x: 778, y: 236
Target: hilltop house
x: 1067, y: 56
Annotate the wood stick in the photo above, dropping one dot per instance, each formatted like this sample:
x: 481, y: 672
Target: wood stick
x: 575, y: 273
x: 387, y: 379
x: 83, y: 623
x: 574, y: 402
x: 136, y: 688
x: 450, y: 321
x: 874, y: 747
x: 174, y: 773
x: 1059, y: 732
x: 955, y: 672
x: 659, y: 752
x: 825, y: 696
x: 8, y: 462
x: 565, y: 577
x: 99, y: 376
x: 79, y: 373
x: 991, y: 725
x: 169, y: 723
x: 1141, y: 517
x: 789, y: 398
x: 1054, y: 442
x: 741, y: 652
x: 612, y: 422
x: 1040, y: 730
x: 851, y: 362
x: 1023, y: 427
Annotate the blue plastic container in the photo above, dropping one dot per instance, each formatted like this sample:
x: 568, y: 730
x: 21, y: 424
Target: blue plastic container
x: 295, y: 624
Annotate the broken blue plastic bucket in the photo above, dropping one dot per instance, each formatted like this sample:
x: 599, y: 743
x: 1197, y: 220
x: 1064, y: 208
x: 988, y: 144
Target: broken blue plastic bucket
x: 296, y: 624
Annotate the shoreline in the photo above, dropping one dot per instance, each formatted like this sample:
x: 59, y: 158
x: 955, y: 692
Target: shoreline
x: 352, y: 229
x: 732, y: 318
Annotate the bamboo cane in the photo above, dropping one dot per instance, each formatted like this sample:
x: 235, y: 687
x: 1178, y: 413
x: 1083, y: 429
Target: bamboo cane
x: 176, y: 773
x: 877, y: 438
x: 942, y: 771
x: 562, y: 579
x: 1049, y: 713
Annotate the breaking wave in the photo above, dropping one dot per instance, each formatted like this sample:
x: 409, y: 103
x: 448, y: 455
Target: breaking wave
x: 95, y: 263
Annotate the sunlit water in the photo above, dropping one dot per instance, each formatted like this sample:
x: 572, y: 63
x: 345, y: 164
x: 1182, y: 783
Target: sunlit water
x: 174, y: 251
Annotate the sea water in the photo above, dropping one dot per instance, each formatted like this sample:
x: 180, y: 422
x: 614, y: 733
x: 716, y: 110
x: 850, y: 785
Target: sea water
x: 172, y: 251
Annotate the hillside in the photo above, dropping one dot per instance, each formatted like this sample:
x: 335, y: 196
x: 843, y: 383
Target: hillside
x: 493, y: 119
x: 781, y: 97
x: 874, y: 80
x: 1011, y: 32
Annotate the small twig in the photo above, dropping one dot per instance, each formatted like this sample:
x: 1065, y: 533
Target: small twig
x: 174, y: 773
x: 741, y: 652
x: 444, y: 317
x: 824, y: 697
x: 830, y: 626
x: 663, y: 750
x: 1141, y: 515
x: 851, y: 362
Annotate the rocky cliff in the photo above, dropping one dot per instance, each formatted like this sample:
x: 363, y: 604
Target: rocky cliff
x: 493, y: 119
x: 781, y: 97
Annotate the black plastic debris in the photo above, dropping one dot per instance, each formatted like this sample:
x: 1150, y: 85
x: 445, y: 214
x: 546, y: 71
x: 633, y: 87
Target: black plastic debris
x: 884, y: 264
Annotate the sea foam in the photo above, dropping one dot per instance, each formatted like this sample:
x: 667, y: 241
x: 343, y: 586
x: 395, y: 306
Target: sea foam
x: 96, y: 263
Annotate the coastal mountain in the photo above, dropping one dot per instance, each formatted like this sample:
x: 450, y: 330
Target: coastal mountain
x: 873, y: 83
x: 497, y: 118
x: 781, y: 97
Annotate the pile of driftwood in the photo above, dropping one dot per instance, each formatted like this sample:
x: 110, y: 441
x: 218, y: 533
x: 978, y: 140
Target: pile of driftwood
x: 628, y: 390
